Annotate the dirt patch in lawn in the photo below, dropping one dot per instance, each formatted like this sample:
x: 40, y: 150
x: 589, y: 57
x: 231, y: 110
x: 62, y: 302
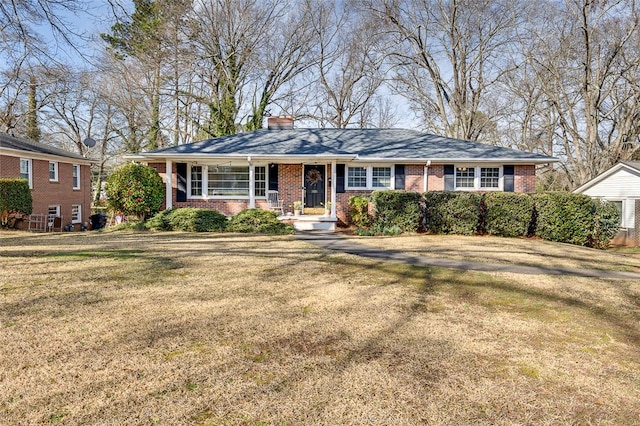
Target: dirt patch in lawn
x: 167, y: 328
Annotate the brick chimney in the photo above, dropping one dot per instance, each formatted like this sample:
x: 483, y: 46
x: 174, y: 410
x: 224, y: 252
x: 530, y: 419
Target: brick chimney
x: 282, y: 122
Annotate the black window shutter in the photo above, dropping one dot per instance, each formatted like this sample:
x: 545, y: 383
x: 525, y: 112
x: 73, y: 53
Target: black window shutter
x: 181, y: 172
x: 399, y: 176
x: 449, y: 177
x: 340, y: 178
x: 273, y: 177
x: 508, y: 175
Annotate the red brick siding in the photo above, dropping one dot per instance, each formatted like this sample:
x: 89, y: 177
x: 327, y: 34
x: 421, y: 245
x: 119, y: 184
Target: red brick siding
x: 413, y: 180
x: 290, y: 187
x: 46, y: 193
x: 435, y: 180
x: 525, y: 178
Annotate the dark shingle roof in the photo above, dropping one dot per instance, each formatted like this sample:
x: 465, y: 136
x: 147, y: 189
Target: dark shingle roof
x: 12, y: 142
x: 632, y: 164
x: 383, y: 144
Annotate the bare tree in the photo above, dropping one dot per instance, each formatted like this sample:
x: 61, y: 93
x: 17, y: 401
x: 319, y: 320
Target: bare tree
x: 349, y: 68
x: 584, y: 56
x: 447, y: 57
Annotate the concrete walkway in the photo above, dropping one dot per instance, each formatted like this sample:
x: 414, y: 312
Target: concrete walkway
x: 333, y: 241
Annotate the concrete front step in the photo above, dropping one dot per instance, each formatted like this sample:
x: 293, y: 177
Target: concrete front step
x: 311, y: 222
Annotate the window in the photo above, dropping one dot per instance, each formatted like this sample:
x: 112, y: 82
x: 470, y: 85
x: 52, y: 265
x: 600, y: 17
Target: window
x: 478, y: 178
x: 75, y: 170
x: 25, y: 171
x: 76, y: 213
x: 53, y: 171
x: 618, y: 205
x: 381, y: 177
x: 357, y: 177
x: 260, y: 179
x: 226, y: 181
x: 465, y: 177
x: 489, y: 177
x: 370, y: 177
x: 196, y: 180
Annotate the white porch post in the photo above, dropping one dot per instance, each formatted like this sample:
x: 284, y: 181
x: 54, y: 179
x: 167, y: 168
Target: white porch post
x: 334, y: 178
x: 252, y: 185
x: 169, y: 185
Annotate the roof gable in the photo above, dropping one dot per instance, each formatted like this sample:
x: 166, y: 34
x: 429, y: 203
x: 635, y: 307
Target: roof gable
x: 360, y: 144
x: 632, y: 167
x: 31, y: 147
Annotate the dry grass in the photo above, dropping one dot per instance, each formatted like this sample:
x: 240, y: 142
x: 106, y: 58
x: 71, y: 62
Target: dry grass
x: 231, y: 329
x: 519, y: 251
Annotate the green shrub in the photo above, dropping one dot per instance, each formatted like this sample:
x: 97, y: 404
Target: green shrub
x: 359, y: 211
x: 565, y: 217
x: 188, y: 219
x: 606, y: 224
x: 136, y: 190
x: 452, y: 212
x: 508, y: 214
x: 258, y: 220
x: 15, y: 198
x: 397, y: 210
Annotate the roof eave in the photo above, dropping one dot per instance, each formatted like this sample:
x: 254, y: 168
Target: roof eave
x: 42, y: 156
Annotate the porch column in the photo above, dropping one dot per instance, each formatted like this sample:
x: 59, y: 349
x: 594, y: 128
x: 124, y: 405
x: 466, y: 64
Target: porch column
x: 169, y: 185
x: 334, y: 178
x: 252, y: 185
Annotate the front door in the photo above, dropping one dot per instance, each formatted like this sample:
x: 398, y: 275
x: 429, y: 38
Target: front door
x: 314, y: 185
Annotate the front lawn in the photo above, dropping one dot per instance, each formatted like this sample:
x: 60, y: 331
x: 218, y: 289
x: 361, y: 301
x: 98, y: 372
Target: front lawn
x: 206, y: 329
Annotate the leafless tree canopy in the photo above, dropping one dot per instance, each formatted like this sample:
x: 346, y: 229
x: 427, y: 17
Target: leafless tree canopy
x: 556, y: 77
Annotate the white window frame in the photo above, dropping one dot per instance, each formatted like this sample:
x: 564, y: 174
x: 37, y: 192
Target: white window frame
x: 75, y: 170
x: 55, y: 171
x: 29, y: 164
x: 369, y: 176
x: 477, y: 169
x: 78, y: 219
x: 205, y: 182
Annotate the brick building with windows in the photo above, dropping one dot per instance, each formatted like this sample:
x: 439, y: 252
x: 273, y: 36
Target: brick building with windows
x: 60, y: 181
x: 325, y: 167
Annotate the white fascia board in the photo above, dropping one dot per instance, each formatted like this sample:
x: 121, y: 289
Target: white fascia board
x: 9, y: 152
x: 456, y: 160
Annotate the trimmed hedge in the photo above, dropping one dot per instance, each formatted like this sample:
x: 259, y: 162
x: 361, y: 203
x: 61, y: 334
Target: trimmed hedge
x: 397, y: 210
x: 359, y: 211
x: 607, y: 224
x: 565, y: 217
x: 15, y: 200
x: 258, y: 220
x: 188, y: 219
x: 508, y: 214
x: 452, y: 212
x: 135, y: 190
x: 15, y: 196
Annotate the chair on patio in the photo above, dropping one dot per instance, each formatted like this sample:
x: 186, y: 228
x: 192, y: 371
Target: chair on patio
x: 275, y: 203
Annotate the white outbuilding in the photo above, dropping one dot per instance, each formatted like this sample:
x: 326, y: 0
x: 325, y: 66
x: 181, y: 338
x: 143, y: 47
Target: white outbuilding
x: 621, y: 186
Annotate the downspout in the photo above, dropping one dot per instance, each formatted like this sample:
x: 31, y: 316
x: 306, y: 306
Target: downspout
x: 425, y: 177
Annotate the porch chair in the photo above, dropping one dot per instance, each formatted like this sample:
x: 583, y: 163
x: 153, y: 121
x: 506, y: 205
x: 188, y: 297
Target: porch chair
x: 275, y: 203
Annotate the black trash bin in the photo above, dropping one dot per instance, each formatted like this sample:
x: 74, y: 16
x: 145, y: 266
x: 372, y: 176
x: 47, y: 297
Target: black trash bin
x: 98, y: 220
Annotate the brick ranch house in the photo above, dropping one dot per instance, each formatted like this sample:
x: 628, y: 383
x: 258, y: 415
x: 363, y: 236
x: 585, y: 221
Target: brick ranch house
x: 60, y: 181
x: 317, y: 166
